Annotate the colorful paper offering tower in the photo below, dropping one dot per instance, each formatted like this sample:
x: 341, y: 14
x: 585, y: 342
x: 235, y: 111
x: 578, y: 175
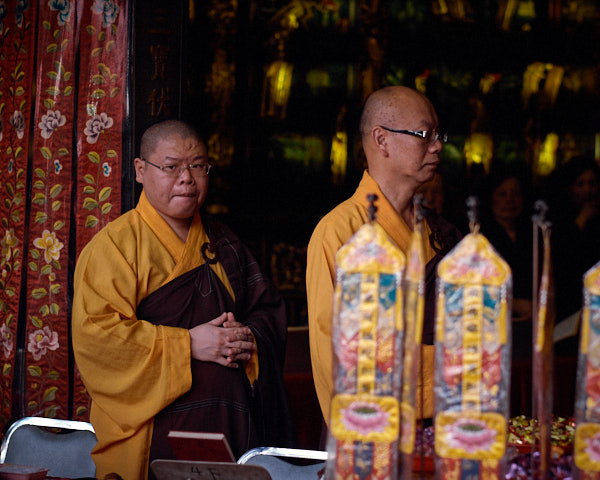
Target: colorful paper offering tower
x: 472, y: 362
x: 587, y: 400
x: 367, y: 335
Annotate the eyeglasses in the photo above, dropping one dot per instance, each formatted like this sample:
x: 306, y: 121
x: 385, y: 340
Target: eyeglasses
x: 196, y: 169
x: 430, y: 135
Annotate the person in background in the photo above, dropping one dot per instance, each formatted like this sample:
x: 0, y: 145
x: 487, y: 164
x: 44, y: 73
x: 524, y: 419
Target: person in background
x: 575, y: 213
x: 174, y: 325
x: 506, y: 223
x: 402, y: 142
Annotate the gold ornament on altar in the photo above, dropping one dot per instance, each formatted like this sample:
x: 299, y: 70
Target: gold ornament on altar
x: 546, y: 161
x: 479, y: 149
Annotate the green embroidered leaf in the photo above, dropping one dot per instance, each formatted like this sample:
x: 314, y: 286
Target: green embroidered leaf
x: 38, y: 293
x: 40, y: 217
x: 53, y: 47
x: 35, y: 254
x: 102, y: 36
x: 49, y: 103
x: 98, y: 94
x: 46, y: 269
x: 90, y: 203
x: 6, y: 369
x: 46, y: 152
x: 94, y: 157
x: 91, y: 221
x: 53, y: 374
x: 19, y: 91
x: 64, y: 44
x: 32, y: 405
x: 114, y: 92
x: 49, y: 394
x: 39, y: 199
x: 89, y: 179
x: 104, y: 70
x: 111, y: 153
x: 55, y: 288
x: 44, y: 310
x: 55, y: 190
x: 96, y: 52
x: 104, y: 193
x: 52, y: 74
x: 54, y: 91
x: 54, y: 309
x: 68, y: 90
x: 90, y: 29
x: 56, y: 205
x: 40, y: 173
x: 98, y: 79
x: 34, y: 370
x: 46, y: 24
x: 63, y: 151
x: 106, y: 208
x: 58, y: 225
x: 89, y: 190
x: 66, y: 76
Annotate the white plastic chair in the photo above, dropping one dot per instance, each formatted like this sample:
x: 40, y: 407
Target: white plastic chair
x: 272, y: 460
x: 66, y: 453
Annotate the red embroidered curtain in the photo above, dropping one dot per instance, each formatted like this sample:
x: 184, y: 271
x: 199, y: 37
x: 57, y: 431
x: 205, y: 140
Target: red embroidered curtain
x: 61, y: 191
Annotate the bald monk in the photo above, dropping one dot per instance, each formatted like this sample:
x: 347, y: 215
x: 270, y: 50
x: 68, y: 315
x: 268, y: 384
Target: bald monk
x: 402, y: 142
x: 174, y: 325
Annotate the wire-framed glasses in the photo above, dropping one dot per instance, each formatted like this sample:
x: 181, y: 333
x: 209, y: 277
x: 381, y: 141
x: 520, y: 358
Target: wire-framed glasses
x: 431, y: 136
x: 196, y: 169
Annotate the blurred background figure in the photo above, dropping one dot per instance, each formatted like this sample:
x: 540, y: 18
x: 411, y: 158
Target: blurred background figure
x: 506, y: 222
x: 575, y: 213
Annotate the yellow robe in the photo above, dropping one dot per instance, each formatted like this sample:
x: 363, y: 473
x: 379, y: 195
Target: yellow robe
x: 131, y: 368
x: 333, y: 231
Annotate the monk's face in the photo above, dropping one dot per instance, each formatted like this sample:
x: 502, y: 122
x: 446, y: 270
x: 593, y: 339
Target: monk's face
x: 175, y: 197
x: 413, y: 158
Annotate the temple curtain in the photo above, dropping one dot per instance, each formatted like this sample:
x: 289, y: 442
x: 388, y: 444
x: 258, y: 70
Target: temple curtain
x: 63, y: 123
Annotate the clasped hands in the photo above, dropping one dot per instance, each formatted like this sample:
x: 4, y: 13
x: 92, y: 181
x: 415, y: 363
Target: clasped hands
x: 223, y: 340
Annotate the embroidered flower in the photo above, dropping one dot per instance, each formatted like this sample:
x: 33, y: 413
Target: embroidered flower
x: 57, y: 166
x: 63, y: 7
x: 472, y: 435
x: 22, y: 5
x: 95, y: 126
x: 50, y: 245
x: 8, y: 242
x: 51, y: 121
x: 108, y: 9
x: 6, y: 337
x: 106, y: 169
x: 17, y: 120
x: 41, y: 341
x: 364, y: 417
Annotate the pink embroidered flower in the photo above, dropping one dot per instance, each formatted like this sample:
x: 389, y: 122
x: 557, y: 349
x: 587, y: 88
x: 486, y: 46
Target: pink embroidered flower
x: 97, y: 125
x: 41, y: 341
x: 470, y: 434
x: 364, y: 417
x: 7, y: 340
x: 593, y: 447
x: 50, y: 122
x: 50, y: 245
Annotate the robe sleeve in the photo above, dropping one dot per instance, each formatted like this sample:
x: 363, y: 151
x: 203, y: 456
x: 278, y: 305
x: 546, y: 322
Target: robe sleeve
x: 260, y: 306
x: 132, y: 369
x: 326, y: 240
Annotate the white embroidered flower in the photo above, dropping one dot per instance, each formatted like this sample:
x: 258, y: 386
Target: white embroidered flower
x: 108, y: 9
x: 50, y: 245
x: 95, y: 126
x: 41, y: 341
x: 51, y: 121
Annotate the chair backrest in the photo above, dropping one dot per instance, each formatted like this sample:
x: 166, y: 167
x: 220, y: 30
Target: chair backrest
x: 273, y: 460
x: 63, y: 446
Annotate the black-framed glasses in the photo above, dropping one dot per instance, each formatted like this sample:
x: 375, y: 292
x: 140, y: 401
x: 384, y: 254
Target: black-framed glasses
x: 431, y: 136
x: 196, y: 169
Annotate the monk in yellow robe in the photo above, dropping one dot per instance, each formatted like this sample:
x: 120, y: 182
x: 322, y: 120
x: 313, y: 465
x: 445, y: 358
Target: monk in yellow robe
x: 174, y: 325
x: 399, y: 161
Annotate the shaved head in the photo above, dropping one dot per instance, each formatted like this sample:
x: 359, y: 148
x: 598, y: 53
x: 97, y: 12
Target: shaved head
x: 163, y: 130
x: 391, y: 107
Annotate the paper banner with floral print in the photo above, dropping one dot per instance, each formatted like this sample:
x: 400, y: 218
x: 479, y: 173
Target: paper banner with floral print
x: 47, y: 336
x: 472, y: 369
x: 367, y: 337
x: 17, y: 37
x: 102, y: 74
x: 587, y: 399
